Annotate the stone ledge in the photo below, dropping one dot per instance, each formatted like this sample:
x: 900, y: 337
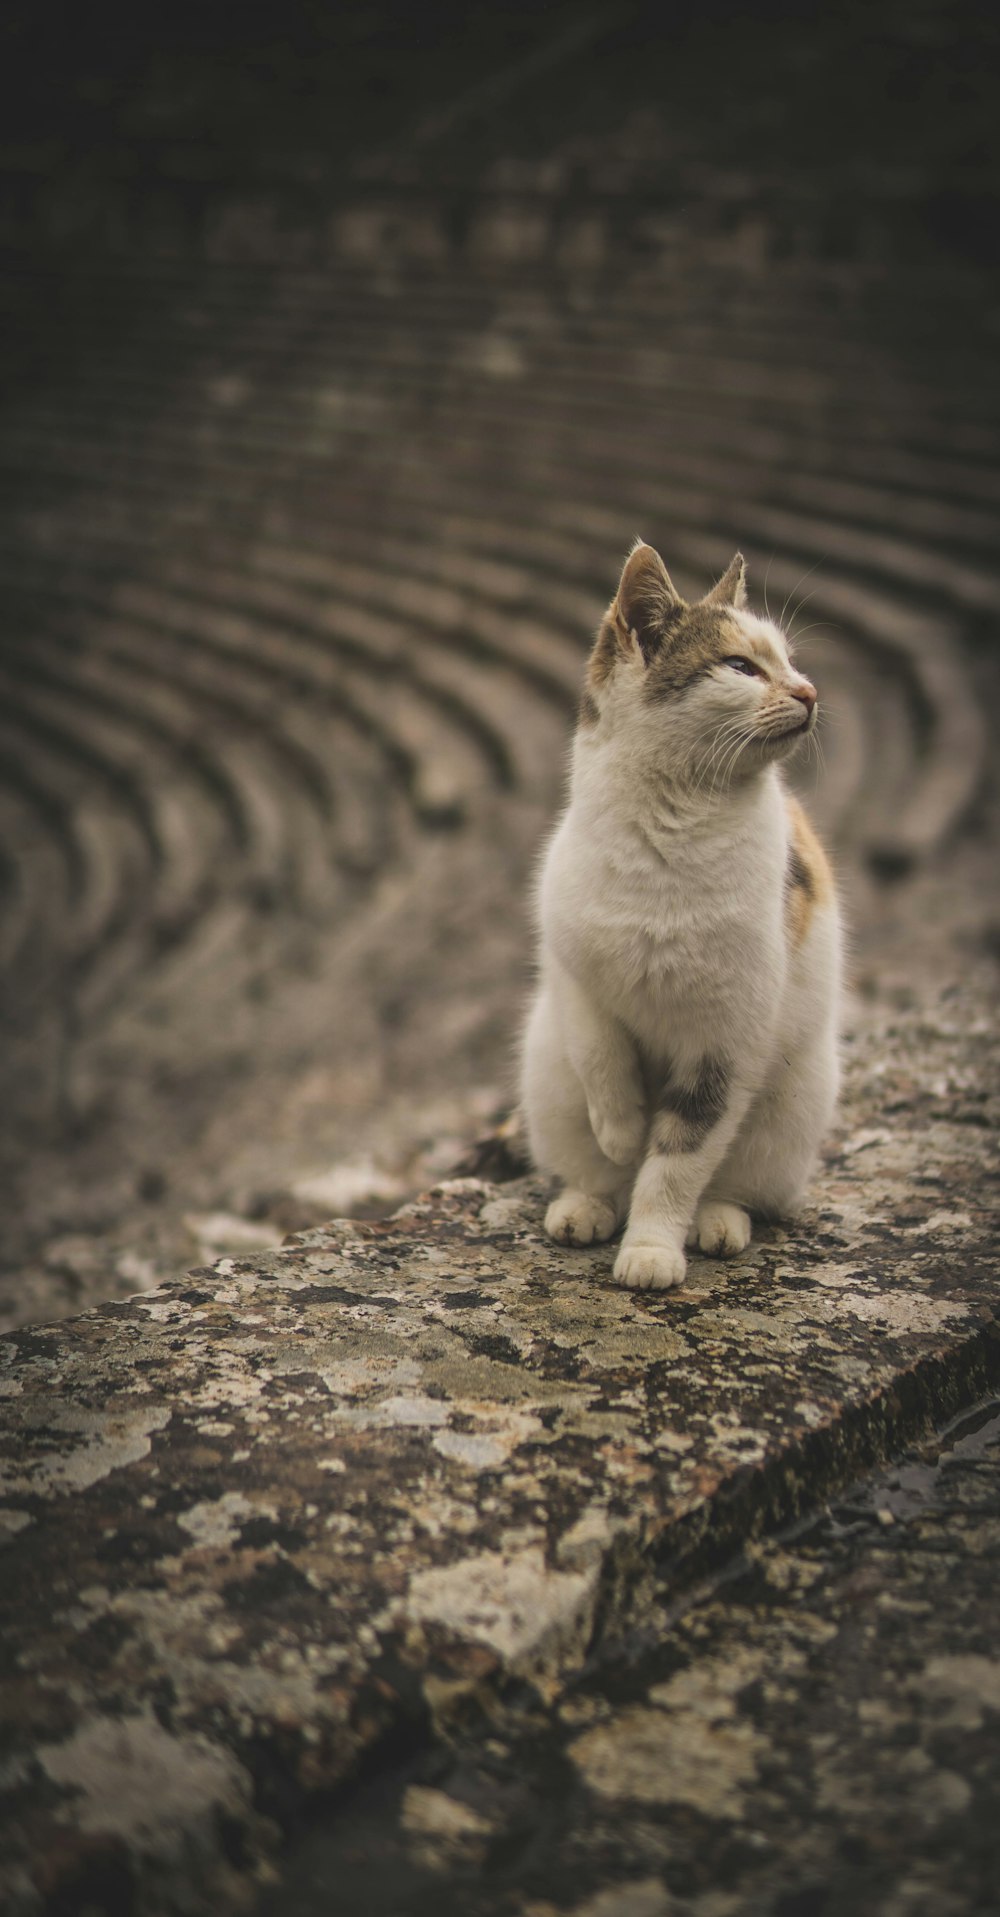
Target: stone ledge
x: 270, y: 1523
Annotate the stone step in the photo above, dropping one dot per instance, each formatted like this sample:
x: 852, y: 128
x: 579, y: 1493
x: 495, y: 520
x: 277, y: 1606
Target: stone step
x: 326, y: 1498
x: 505, y: 342
x: 359, y: 664
x: 940, y: 686
x: 174, y: 300
x: 43, y: 865
x: 195, y: 715
x: 105, y: 822
x: 920, y: 494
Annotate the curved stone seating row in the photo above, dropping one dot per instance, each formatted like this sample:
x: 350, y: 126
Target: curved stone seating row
x: 268, y: 311
x: 851, y: 471
x: 309, y: 565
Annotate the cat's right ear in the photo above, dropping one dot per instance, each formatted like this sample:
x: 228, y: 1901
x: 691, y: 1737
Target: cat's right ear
x: 647, y: 601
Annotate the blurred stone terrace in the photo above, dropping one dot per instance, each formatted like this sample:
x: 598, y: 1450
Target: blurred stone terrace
x: 345, y: 352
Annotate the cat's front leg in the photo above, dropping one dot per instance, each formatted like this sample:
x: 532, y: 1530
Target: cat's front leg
x: 604, y: 1058
x: 617, y: 1121
x: 697, y: 1115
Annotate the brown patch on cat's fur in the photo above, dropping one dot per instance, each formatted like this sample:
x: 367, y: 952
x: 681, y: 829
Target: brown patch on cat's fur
x: 808, y: 880
x: 688, y: 641
x: 678, y: 642
x: 697, y: 638
x: 589, y: 710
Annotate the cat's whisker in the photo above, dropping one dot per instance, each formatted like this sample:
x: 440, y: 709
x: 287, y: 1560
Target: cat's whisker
x: 813, y: 625
x: 717, y: 772
x: 794, y: 589
x: 712, y: 765
x: 732, y: 762
x: 814, y: 746
x: 796, y: 638
x: 800, y: 608
x: 739, y: 747
x: 732, y: 733
x: 721, y: 739
x: 767, y: 576
x: 727, y: 734
x: 790, y: 595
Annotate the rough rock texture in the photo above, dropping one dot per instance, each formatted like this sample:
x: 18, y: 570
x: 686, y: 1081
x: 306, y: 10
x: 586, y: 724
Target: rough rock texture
x: 814, y: 1735
x: 280, y: 1519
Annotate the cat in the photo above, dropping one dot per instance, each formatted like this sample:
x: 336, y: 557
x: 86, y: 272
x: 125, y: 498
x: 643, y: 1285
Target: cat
x: 680, y: 1059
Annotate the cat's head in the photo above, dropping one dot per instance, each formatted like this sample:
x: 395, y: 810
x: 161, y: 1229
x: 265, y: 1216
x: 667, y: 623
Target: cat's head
x: 705, y: 692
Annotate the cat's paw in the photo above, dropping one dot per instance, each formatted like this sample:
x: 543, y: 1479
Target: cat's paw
x: 650, y: 1267
x: 575, y: 1219
x: 621, y: 1134
x: 720, y: 1230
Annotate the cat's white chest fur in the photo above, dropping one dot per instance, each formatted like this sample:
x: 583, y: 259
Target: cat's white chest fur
x: 680, y: 1057
x: 678, y: 931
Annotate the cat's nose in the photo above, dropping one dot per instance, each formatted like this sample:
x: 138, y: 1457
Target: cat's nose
x: 806, y: 692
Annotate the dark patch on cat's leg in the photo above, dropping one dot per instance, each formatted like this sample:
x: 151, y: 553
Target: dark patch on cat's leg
x: 589, y: 712
x: 686, y: 1113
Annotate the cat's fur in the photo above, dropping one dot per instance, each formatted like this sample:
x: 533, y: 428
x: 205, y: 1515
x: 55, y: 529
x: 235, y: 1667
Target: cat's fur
x: 680, y: 1061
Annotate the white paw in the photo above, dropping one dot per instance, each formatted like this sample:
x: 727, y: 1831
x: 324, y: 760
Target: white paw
x: 575, y: 1219
x: 650, y: 1267
x: 620, y: 1135
x: 720, y: 1229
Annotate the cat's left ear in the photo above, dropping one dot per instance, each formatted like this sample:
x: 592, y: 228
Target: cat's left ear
x: 731, y: 589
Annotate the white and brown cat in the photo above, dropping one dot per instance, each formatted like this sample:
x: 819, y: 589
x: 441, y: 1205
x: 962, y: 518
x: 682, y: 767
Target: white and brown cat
x: 680, y: 1060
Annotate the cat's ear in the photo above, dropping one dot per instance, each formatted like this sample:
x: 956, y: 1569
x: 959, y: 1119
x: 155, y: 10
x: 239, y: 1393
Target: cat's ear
x: 731, y: 589
x: 647, y: 601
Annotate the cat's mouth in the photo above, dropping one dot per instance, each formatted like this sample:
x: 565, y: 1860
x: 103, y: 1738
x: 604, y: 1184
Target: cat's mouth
x: 801, y: 725
x: 782, y: 738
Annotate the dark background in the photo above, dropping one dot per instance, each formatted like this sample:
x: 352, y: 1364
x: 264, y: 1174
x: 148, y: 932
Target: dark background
x: 861, y: 129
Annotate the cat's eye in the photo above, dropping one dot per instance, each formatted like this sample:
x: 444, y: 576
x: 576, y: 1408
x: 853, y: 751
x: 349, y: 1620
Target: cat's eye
x: 739, y: 664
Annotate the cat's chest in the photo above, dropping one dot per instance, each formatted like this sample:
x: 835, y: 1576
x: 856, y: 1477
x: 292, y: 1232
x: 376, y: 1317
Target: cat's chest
x: 675, y: 955
x: 700, y: 938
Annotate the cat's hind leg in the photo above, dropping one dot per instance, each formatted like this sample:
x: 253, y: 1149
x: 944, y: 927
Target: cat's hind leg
x: 595, y: 1199
x: 770, y: 1162
x: 720, y: 1229
x: 579, y: 1218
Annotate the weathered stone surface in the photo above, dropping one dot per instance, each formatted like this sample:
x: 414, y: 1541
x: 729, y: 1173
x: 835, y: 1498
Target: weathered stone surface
x: 288, y: 1513
x: 811, y: 1733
